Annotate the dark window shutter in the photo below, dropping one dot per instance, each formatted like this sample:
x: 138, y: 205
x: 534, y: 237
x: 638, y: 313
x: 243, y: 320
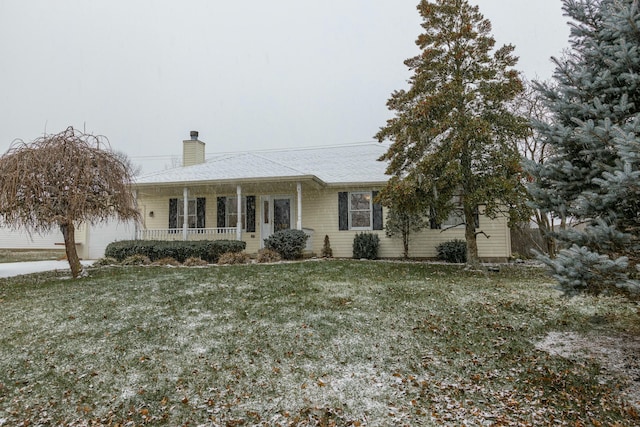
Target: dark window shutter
x: 222, y: 212
x: 251, y: 214
x: 433, y: 223
x: 377, y: 212
x: 343, y: 210
x: 201, y: 209
x: 173, y: 213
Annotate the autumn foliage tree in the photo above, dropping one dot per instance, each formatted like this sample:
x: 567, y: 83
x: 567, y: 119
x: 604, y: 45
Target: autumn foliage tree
x: 63, y: 180
x: 453, y: 134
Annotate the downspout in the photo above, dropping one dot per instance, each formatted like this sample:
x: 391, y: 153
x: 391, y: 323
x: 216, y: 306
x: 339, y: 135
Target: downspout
x: 239, y: 222
x: 299, y: 191
x: 185, y: 212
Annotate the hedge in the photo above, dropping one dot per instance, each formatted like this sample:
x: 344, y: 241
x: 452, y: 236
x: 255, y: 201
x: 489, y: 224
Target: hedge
x: 208, y: 250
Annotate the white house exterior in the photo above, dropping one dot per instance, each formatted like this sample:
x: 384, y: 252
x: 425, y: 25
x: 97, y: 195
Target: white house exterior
x: 327, y: 191
x: 91, y: 241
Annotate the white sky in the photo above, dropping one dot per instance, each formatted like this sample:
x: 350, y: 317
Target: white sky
x: 247, y: 75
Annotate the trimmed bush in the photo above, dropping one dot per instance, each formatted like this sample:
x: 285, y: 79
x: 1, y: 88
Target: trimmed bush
x: 288, y: 243
x: 327, y: 252
x: 208, y: 250
x: 136, y: 260
x: 167, y: 261
x: 452, y: 251
x: 104, y: 262
x: 365, y: 245
x: 268, y: 255
x: 194, y: 262
x: 233, y: 258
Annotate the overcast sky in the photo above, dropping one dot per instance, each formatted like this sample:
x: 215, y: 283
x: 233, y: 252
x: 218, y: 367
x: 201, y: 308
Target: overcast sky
x: 247, y: 75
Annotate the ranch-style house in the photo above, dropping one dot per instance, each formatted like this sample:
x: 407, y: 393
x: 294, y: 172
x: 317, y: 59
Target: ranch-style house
x: 327, y: 191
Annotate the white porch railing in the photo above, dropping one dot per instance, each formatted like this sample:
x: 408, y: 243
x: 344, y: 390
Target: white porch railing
x: 224, y: 233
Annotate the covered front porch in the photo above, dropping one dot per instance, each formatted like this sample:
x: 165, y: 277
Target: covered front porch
x: 248, y: 212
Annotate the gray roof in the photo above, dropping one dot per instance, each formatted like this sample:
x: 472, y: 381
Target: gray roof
x: 348, y: 164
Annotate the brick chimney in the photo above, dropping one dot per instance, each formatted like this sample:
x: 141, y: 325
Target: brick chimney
x: 192, y: 150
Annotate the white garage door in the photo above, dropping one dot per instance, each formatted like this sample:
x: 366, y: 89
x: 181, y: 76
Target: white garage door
x: 101, y: 235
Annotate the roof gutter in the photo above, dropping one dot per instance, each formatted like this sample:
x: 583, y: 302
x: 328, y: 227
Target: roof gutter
x: 233, y: 181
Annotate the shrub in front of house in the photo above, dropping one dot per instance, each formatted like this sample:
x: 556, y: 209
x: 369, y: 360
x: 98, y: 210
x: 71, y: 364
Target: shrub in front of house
x: 327, y: 252
x: 136, y: 260
x: 194, y: 262
x: 167, y: 261
x: 365, y: 245
x: 231, y: 258
x: 105, y: 262
x: 452, y: 251
x: 268, y: 255
x: 288, y: 243
x: 208, y: 250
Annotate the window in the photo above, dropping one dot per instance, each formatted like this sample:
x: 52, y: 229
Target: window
x: 191, y: 213
x: 227, y: 212
x: 231, y: 212
x: 360, y: 211
x: 455, y: 218
x: 357, y: 211
x: 196, y: 211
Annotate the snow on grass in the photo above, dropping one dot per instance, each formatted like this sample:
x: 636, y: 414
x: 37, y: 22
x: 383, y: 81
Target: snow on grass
x: 343, y: 342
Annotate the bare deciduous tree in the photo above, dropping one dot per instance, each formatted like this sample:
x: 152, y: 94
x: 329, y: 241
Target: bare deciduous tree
x: 536, y: 150
x: 63, y: 180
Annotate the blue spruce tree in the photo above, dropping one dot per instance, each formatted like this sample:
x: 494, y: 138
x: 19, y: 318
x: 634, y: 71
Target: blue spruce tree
x: 593, y: 176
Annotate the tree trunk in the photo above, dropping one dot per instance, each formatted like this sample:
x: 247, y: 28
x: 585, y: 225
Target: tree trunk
x: 405, y: 244
x: 68, y: 232
x: 470, y: 236
x: 405, y: 238
x: 468, y: 209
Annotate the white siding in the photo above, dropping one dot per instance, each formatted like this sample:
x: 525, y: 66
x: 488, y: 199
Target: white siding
x: 18, y: 239
x: 320, y: 214
x: 99, y: 236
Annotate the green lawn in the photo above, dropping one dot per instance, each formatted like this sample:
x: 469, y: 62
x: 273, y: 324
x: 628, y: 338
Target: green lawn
x: 311, y: 343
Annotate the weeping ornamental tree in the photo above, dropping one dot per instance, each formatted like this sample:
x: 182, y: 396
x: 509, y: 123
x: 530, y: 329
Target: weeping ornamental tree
x: 453, y: 133
x: 62, y: 180
x: 593, y: 175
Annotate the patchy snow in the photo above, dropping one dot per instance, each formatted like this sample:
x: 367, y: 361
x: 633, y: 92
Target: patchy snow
x: 617, y: 355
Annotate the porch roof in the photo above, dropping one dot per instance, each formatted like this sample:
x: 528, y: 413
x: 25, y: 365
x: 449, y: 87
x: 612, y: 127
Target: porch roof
x: 349, y: 164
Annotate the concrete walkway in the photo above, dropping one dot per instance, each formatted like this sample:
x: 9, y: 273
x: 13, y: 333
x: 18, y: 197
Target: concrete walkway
x: 17, y: 268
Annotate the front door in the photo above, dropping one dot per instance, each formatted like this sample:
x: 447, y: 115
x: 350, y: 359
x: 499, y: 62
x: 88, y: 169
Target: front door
x: 276, y: 215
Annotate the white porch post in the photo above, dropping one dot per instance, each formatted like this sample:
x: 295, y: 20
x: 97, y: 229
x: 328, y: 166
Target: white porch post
x: 185, y: 212
x: 239, y: 222
x: 299, y: 191
x: 136, y: 227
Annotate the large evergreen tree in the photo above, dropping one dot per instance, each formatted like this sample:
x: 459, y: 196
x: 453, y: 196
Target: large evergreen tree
x: 452, y: 134
x: 593, y: 174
